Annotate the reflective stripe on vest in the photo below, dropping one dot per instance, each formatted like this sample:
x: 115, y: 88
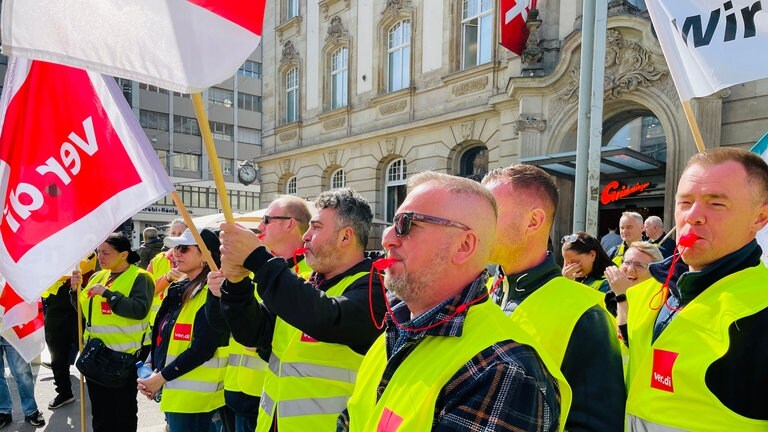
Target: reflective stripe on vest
x: 413, y: 406
x: 200, y: 390
x: 308, y: 382
x: 667, y: 378
x: 117, y: 332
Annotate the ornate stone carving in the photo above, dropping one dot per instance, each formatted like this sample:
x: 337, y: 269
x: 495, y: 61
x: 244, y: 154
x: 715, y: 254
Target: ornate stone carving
x: 332, y: 157
x: 628, y: 66
x: 336, y: 31
x: 470, y: 86
x: 395, y: 6
x: 467, y: 129
x: 393, y: 107
x: 288, y: 136
x: 533, y: 53
x: 529, y: 124
x: 285, y: 165
x: 334, y: 123
x: 289, y: 53
x: 390, y: 143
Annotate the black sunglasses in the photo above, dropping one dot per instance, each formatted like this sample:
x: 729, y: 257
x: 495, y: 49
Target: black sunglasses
x: 402, y: 222
x: 267, y: 218
x: 183, y: 248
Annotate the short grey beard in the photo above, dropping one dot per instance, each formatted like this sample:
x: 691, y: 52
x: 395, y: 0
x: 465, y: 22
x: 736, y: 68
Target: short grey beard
x: 402, y: 287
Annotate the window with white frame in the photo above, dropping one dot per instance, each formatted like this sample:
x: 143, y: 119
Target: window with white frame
x: 399, y: 56
x: 248, y: 102
x: 248, y: 135
x: 250, y: 69
x: 292, y: 95
x: 153, y: 120
x: 152, y: 88
x: 339, y: 77
x: 476, y: 32
x: 226, y: 165
x: 338, y: 179
x: 185, y: 125
x: 291, y: 9
x: 222, y: 131
x: 220, y: 96
x: 395, y: 185
x: 186, y: 162
x: 291, y: 186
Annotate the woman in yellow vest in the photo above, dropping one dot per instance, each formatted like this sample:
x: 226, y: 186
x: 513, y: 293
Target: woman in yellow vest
x: 115, y: 304
x: 188, y: 354
x: 585, y: 261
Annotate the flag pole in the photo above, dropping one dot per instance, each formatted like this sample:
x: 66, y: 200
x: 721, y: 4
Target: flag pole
x: 193, y: 229
x: 694, y: 126
x: 213, y: 159
x: 80, y: 346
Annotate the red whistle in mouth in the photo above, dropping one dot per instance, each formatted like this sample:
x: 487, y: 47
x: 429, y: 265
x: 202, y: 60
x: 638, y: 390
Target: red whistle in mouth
x: 687, y: 240
x: 300, y: 251
x: 260, y: 236
x: 383, y: 263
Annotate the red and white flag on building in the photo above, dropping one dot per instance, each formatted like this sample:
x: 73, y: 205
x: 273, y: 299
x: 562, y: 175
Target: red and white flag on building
x: 711, y: 44
x: 74, y: 164
x: 181, y: 45
x: 514, y: 14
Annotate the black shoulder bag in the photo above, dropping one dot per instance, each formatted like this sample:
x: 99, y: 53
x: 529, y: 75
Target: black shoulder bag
x: 103, y: 365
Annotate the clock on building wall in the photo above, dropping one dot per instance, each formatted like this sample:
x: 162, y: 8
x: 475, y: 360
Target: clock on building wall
x: 246, y: 173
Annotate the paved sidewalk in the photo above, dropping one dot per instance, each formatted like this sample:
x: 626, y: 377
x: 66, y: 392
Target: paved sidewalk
x: 67, y: 418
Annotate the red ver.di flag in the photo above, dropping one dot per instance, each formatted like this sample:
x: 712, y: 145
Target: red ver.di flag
x: 74, y: 164
x: 514, y: 14
x: 182, y: 45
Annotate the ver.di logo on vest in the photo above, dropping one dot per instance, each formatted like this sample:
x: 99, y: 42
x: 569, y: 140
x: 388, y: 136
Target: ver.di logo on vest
x: 182, y: 332
x: 661, y: 374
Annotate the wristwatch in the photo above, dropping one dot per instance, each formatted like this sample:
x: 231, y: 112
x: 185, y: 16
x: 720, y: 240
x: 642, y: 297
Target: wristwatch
x: 621, y: 298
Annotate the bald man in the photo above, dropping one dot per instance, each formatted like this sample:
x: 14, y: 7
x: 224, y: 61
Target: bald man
x: 486, y: 380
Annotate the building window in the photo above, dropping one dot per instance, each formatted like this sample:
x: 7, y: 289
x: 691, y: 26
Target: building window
x: 339, y: 77
x: 291, y: 9
x: 474, y: 163
x: 291, y: 187
x: 249, y: 102
x: 222, y: 131
x: 395, y: 186
x: 227, y: 166
x: 186, y: 162
x: 153, y: 120
x: 152, y: 88
x: 399, y: 56
x: 476, y: 32
x: 250, y: 69
x: 248, y: 135
x: 292, y: 95
x: 185, y: 125
x: 219, y: 96
x: 338, y: 179
x: 163, y: 156
x: 182, y: 95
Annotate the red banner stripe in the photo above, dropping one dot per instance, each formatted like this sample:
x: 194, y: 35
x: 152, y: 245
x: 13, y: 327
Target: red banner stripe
x: 246, y: 14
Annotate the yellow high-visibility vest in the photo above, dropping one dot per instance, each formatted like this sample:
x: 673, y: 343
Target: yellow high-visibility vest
x: 200, y: 390
x: 410, y: 396
x: 307, y: 382
x: 666, y: 378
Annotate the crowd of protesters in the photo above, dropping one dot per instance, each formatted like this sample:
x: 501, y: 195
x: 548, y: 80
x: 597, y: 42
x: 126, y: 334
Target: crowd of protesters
x: 299, y: 328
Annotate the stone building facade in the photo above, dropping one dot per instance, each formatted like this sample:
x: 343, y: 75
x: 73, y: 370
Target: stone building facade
x: 365, y: 93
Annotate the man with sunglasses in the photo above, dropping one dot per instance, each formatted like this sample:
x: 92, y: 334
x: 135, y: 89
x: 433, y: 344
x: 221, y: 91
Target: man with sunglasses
x: 569, y: 319
x: 281, y: 229
x: 447, y: 361
x: 315, y: 332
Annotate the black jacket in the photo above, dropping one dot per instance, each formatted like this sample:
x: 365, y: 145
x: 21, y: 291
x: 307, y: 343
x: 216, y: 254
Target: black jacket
x: 344, y: 319
x: 739, y: 378
x: 592, y: 362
